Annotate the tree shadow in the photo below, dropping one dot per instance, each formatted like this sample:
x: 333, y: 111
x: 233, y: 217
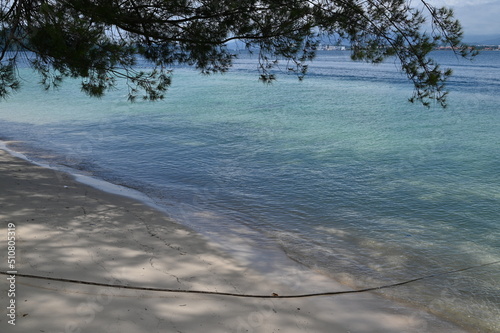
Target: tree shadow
x: 68, y: 230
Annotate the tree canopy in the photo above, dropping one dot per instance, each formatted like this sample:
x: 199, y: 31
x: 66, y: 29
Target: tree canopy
x: 100, y: 41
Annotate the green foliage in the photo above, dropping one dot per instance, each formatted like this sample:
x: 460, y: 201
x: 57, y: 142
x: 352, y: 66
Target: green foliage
x: 99, y: 41
x: 8, y: 80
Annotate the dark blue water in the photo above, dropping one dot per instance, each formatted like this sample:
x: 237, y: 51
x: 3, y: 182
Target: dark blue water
x: 339, y: 170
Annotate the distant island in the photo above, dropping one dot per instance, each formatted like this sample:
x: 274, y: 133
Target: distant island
x: 480, y: 47
x: 477, y: 47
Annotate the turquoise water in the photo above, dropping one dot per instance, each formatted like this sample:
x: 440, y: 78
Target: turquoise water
x: 338, y: 170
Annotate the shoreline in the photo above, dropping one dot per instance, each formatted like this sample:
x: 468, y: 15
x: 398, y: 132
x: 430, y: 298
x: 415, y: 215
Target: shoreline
x: 66, y: 229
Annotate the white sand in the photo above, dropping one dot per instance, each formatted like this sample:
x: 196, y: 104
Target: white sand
x: 65, y: 229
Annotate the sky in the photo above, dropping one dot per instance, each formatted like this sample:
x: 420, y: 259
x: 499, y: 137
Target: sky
x: 478, y: 17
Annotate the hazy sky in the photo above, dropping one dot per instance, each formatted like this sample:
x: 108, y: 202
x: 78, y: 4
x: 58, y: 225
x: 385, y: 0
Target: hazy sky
x: 478, y: 17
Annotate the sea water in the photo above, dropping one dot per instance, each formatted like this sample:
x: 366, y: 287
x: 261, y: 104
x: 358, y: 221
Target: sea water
x: 338, y: 170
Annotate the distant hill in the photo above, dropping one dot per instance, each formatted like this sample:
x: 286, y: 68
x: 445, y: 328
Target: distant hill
x: 495, y: 41
x: 483, y: 40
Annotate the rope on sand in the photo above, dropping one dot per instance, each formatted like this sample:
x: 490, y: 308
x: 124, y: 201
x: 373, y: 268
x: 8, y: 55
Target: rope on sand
x: 30, y: 276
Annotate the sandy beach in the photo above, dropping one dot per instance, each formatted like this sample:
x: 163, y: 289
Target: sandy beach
x: 67, y: 230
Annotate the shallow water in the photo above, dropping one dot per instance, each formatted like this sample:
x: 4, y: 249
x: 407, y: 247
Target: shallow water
x: 339, y: 170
